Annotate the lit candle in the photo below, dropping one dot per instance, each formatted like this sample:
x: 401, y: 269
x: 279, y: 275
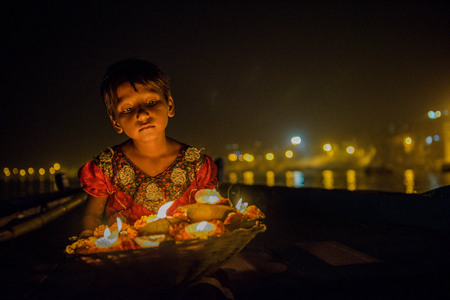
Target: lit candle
x: 200, y: 230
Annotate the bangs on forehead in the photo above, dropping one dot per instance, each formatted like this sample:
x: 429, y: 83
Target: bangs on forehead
x: 150, y: 85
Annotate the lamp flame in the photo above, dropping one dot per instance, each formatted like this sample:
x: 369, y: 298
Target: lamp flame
x: 241, y: 206
x: 204, y: 226
x: 109, y: 238
x: 162, y: 212
x: 200, y: 230
x: 210, y: 196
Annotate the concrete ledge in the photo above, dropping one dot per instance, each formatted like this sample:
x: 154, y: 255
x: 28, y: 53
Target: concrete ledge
x: 40, y: 220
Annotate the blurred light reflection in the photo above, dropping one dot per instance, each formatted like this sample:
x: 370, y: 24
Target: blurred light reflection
x: 409, y: 181
x: 351, y: 180
x: 328, y: 179
x: 270, y: 178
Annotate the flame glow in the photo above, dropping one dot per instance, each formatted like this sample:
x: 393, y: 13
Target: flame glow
x: 210, y: 196
x: 200, y: 230
x: 204, y: 226
x: 241, y: 206
x: 162, y: 212
x: 109, y: 238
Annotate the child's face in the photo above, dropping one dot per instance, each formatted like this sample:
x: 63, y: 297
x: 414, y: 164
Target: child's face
x: 142, y: 113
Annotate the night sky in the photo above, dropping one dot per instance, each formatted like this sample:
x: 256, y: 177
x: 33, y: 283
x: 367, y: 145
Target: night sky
x: 241, y: 71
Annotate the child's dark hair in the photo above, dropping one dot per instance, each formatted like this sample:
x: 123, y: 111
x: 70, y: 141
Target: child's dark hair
x: 134, y: 71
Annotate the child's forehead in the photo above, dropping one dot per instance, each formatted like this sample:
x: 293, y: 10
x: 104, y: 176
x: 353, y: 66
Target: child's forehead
x: 127, y: 89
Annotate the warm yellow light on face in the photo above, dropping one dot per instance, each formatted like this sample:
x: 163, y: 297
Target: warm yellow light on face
x: 350, y: 149
x: 41, y: 171
x: 57, y: 166
x: 289, y: 154
x: 30, y: 171
x: 327, y: 147
x: 296, y: 140
x: 270, y: 156
x: 249, y: 157
x: 232, y: 157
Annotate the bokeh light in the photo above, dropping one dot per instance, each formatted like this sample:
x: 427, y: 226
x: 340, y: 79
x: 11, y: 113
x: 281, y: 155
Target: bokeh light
x: 296, y: 140
x: 289, y: 154
x: 270, y: 156
x: 350, y: 150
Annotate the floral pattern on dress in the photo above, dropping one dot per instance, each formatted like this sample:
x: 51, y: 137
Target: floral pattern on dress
x: 126, y: 175
x: 178, y: 176
x: 192, y: 154
x: 107, y: 155
x: 148, y: 191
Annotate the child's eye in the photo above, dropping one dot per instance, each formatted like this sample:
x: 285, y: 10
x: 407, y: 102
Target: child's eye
x: 127, y: 109
x: 151, y: 102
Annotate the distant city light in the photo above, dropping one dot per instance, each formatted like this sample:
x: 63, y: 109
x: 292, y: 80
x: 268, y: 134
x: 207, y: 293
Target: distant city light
x: 431, y: 114
x: 408, y: 141
x: 270, y: 156
x: 429, y: 140
x: 7, y: 172
x: 15, y: 171
x: 57, y: 166
x: 22, y: 172
x: 327, y: 147
x: 436, y: 138
x: 232, y: 157
x: 296, y: 140
x: 350, y: 149
x: 249, y: 157
x: 289, y: 154
x: 41, y: 171
x: 30, y: 171
x: 51, y: 170
x: 438, y: 114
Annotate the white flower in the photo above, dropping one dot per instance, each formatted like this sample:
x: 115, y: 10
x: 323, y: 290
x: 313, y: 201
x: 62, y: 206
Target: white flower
x: 126, y: 175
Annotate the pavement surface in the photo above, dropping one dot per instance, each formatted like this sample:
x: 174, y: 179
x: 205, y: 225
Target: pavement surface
x: 303, y: 254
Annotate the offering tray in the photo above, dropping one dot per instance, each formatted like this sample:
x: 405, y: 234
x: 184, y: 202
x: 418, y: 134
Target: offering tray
x: 172, y: 262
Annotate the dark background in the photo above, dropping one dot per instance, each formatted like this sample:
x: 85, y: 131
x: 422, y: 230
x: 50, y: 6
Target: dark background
x: 242, y: 72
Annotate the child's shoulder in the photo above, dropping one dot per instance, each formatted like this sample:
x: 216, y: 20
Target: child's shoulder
x: 107, y: 155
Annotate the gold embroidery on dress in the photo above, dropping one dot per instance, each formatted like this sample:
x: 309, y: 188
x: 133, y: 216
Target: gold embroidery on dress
x: 126, y: 175
x: 152, y: 192
x: 178, y: 176
x: 107, y: 155
x: 192, y: 154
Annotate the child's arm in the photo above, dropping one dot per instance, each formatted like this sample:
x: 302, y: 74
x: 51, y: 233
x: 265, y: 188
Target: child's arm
x: 93, y: 213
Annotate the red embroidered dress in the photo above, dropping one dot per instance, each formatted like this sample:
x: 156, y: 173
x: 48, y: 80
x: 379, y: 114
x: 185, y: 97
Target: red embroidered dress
x: 132, y: 193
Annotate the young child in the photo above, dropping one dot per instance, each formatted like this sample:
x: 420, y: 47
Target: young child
x: 137, y: 177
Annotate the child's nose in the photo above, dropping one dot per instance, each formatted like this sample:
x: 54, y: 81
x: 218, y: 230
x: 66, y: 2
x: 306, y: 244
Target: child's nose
x: 142, y: 113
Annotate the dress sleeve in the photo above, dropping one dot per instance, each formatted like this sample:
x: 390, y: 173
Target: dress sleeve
x: 205, y: 178
x: 93, y: 180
